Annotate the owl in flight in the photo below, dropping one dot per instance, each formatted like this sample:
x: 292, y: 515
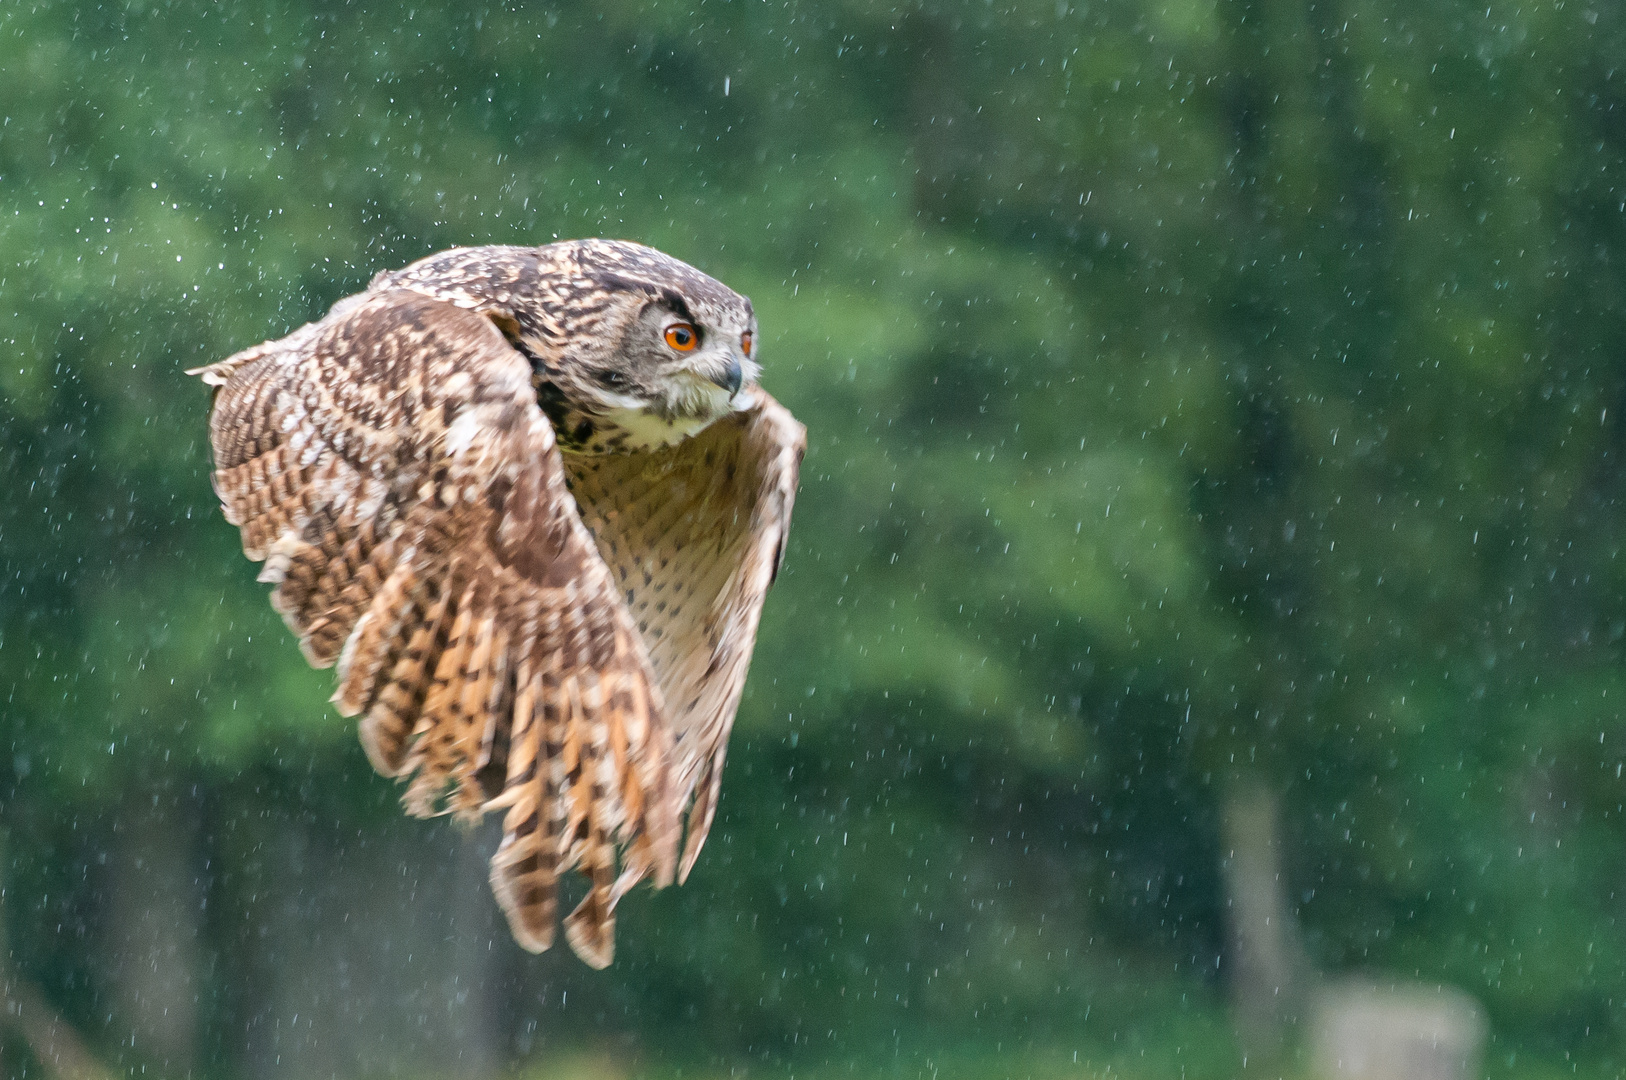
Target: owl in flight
x: 529, y: 502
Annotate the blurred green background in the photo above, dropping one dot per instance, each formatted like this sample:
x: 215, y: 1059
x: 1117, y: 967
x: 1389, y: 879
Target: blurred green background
x: 1205, y: 591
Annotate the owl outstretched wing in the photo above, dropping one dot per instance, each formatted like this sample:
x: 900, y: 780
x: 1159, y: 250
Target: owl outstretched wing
x: 391, y: 467
x: 694, y: 534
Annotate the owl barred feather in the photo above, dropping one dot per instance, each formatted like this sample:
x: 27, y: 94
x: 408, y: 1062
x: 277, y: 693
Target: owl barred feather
x: 529, y: 501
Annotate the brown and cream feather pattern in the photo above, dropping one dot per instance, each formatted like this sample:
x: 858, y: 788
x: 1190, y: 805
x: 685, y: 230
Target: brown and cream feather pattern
x: 560, y: 636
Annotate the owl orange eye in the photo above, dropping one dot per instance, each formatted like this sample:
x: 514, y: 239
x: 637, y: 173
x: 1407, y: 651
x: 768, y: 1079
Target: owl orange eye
x: 747, y: 341
x: 682, y: 336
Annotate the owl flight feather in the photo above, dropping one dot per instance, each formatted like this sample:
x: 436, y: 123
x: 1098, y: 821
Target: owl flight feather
x: 529, y: 501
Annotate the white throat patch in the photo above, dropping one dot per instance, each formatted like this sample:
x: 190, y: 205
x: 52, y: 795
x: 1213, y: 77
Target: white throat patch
x: 645, y: 429
x: 649, y: 431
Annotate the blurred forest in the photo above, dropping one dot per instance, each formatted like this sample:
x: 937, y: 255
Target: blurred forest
x: 1205, y: 588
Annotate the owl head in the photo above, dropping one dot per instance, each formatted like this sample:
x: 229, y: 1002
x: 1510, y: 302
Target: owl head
x: 629, y: 347
x: 624, y: 328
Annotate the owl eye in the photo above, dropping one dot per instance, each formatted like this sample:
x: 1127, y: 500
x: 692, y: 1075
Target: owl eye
x: 682, y: 336
x: 747, y: 342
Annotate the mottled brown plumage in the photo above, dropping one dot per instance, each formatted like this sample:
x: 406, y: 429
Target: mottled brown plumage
x: 561, y: 636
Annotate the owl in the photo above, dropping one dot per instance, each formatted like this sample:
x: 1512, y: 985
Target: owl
x: 528, y: 501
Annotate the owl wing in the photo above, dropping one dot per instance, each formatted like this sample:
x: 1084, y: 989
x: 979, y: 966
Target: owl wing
x: 694, y: 534
x: 392, y: 469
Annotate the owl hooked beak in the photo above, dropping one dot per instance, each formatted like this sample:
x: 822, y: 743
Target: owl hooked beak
x: 730, y: 377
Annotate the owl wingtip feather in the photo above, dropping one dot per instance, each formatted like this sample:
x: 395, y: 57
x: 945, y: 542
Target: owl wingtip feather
x: 532, y: 937
x: 591, y: 935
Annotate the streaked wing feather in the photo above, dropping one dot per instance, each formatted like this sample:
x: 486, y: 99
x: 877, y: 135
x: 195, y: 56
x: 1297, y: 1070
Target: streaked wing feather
x: 392, y: 468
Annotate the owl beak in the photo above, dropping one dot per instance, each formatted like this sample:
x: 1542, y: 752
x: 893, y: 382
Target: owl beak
x: 731, y: 377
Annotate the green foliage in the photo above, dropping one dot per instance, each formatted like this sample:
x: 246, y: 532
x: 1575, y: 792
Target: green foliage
x: 1199, y: 393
